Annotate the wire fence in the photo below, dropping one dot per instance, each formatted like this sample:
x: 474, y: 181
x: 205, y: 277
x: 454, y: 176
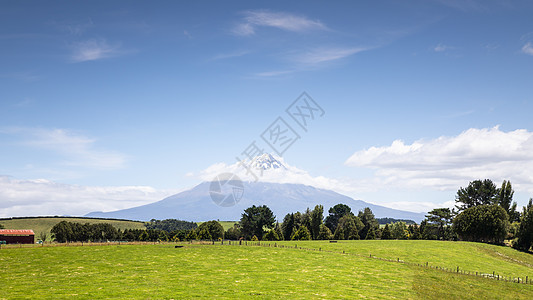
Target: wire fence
x: 426, y: 265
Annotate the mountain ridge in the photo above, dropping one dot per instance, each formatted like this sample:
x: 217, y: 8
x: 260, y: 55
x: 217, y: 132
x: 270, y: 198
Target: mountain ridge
x: 197, y: 205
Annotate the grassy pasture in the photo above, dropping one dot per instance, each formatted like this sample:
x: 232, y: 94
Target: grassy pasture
x: 44, y: 224
x: 207, y: 271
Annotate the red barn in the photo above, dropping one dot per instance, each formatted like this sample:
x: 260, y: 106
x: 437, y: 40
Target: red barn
x: 17, y: 236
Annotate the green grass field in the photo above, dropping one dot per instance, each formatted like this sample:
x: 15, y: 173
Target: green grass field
x: 44, y: 224
x: 222, y: 271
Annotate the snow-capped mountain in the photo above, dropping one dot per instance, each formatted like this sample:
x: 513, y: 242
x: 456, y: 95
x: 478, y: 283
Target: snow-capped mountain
x: 226, y: 197
x: 266, y: 161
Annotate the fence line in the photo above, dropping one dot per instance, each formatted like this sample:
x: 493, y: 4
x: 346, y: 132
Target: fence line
x: 457, y: 270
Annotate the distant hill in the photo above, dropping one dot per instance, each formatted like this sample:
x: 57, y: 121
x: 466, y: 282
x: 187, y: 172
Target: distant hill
x: 44, y: 224
x: 282, y: 198
x: 383, y: 221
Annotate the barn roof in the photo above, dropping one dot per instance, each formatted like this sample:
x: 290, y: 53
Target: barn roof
x: 16, y: 232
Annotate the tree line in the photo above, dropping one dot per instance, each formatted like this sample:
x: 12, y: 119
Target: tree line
x: 483, y: 213
x: 156, y: 230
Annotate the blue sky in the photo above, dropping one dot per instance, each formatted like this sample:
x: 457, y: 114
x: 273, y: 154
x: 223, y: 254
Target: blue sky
x: 133, y: 100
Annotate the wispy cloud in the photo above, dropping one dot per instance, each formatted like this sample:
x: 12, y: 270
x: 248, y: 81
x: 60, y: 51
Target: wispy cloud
x: 281, y: 20
x: 448, y: 162
x: 94, y: 49
x: 322, y: 55
x: 274, y: 73
x: 230, y: 55
x: 77, y: 150
x: 313, y: 59
x: 43, y: 197
x: 442, y: 48
x: 528, y: 48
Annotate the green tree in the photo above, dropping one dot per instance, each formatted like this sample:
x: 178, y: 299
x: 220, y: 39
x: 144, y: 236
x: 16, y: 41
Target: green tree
x: 170, y: 225
x: 301, y: 234
x: 348, y: 228
x: 440, y: 217
x: 335, y: 214
x: 525, y: 231
x: 324, y: 233
x: 399, y: 231
x: 371, y: 225
x: 478, y: 192
x: 317, y: 219
x: 233, y: 233
x: 386, y: 234
x: 204, y: 235
x: 271, y: 235
x: 482, y: 223
x: 216, y: 231
x: 287, y: 227
x: 62, y: 232
x: 505, y: 200
x: 414, y: 232
x: 279, y: 232
x: 192, y: 235
x: 305, y: 219
x: 255, y: 219
x: 2, y: 226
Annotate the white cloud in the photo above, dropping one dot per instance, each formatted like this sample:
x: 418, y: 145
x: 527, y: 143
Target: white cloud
x: 446, y: 163
x: 442, y: 48
x: 421, y: 207
x: 76, y: 150
x: 44, y: 197
x: 528, y: 48
x: 322, y: 55
x: 230, y: 55
x: 289, y: 174
x: 274, y: 73
x: 94, y: 49
x: 313, y: 59
x: 280, y: 20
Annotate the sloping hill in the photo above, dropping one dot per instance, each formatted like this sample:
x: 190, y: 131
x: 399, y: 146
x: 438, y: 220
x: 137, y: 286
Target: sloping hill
x: 44, y: 224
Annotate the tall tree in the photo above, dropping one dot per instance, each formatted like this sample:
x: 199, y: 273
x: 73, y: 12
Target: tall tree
x: 255, y: 219
x: 478, y: 192
x: 399, y: 231
x: 440, y: 217
x: 370, y: 224
x: 386, y: 234
x: 505, y: 200
x: 348, y: 228
x: 287, y: 227
x: 279, y: 232
x: 317, y: 219
x: 305, y: 219
x: 335, y: 214
x: 525, y: 232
